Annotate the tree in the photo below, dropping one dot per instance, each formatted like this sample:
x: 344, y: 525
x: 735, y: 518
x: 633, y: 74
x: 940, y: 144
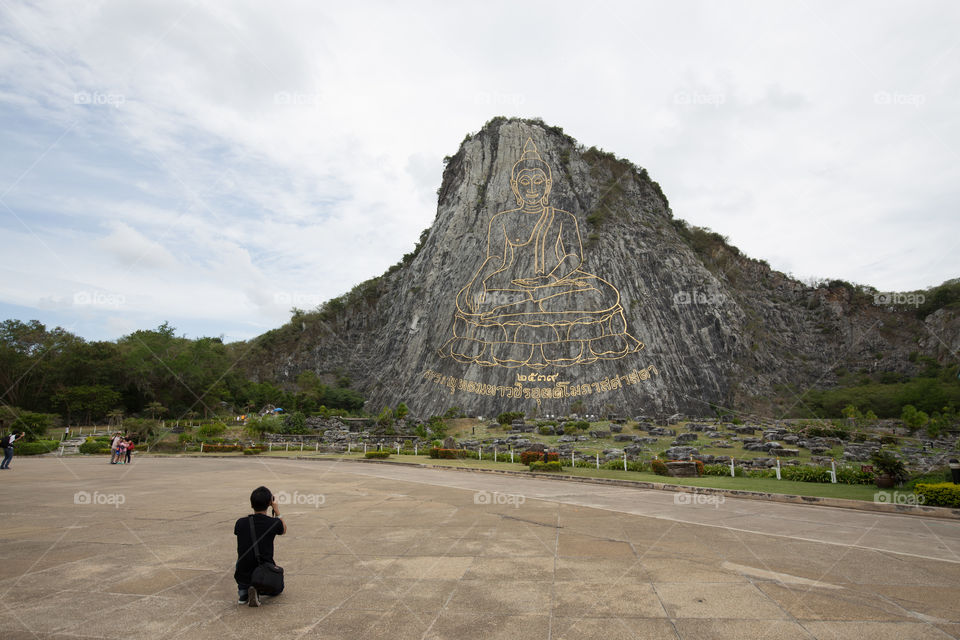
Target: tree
x: 401, y: 411
x: 115, y: 417
x: 385, y: 419
x: 91, y: 401
x: 913, y: 419
x: 34, y: 425
x: 155, y: 409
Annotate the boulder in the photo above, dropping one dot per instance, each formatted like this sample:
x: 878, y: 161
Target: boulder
x: 680, y: 469
x: 681, y: 453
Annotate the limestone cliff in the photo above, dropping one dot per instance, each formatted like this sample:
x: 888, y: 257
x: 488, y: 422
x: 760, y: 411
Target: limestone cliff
x: 583, y: 293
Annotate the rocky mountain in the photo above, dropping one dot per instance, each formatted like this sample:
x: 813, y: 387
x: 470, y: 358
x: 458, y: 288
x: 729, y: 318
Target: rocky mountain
x: 556, y: 279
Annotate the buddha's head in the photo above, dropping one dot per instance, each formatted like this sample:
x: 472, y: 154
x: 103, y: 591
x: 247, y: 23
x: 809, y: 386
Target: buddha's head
x: 531, y: 180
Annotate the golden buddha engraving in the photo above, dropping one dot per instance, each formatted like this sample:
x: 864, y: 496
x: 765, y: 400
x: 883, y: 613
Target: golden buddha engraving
x: 531, y: 303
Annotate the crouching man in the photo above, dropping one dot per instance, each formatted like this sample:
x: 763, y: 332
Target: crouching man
x: 259, y: 543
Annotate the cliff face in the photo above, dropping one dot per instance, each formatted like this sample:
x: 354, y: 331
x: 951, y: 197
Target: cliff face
x: 580, y: 292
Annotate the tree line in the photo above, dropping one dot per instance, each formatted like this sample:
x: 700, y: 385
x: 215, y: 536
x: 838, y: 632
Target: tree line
x: 149, y: 373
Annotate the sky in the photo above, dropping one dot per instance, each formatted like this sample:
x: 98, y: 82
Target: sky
x: 215, y: 164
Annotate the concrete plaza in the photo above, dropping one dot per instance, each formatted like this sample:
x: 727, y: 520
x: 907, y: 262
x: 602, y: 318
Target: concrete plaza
x: 90, y: 550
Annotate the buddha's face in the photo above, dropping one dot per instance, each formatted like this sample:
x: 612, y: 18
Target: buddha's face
x: 532, y: 186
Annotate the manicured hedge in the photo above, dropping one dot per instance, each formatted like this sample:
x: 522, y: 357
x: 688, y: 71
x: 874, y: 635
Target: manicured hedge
x: 553, y: 465
x: 93, y: 445
x: 659, y: 467
x: 941, y: 494
x: 526, y: 457
x: 380, y: 455
x: 35, y: 448
x: 453, y: 454
x: 221, y: 448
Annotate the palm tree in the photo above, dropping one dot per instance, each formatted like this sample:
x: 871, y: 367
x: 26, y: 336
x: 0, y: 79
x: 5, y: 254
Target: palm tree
x: 115, y: 417
x: 156, y: 408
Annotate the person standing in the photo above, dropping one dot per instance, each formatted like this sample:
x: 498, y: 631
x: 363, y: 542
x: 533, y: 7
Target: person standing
x: 129, y: 450
x: 115, y: 448
x: 7, y: 444
x: 266, y: 529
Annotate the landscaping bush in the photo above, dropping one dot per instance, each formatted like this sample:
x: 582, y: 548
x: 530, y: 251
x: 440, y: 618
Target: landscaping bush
x: 526, y: 457
x: 617, y: 465
x: 577, y: 424
x: 853, y: 475
x: 716, y: 470
x: 211, y: 430
x: 379, y: 455
x: 36, y: 447
x: 760, y: 473
x: 252, y: 452
x: 806, y: 474
x: 934, y: 476
x: 507, y: 417
x: 221, y: 448
x: 941, y: 494
x: 553, y: 465
x: 700, y: 468
x: 659, y: 467
x: 93, y: 445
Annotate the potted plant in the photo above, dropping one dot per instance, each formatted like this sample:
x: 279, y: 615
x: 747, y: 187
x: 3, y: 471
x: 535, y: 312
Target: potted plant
x: 889, y: 469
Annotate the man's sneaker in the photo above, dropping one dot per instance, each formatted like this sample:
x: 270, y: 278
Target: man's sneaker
x: 253, y: 597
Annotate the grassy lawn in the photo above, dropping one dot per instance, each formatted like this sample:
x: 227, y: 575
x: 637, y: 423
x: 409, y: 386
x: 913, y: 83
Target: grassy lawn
x: 764, y: 485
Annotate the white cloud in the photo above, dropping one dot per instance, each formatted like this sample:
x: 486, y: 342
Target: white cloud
x: 225, y: 161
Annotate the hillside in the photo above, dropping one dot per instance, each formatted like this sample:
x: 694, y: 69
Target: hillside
x: 589, y: 296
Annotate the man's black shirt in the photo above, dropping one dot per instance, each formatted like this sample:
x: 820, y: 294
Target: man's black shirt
x: 267, y: 529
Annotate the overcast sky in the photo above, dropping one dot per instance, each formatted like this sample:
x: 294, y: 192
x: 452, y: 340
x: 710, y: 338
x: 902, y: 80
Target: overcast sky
x: 215, y: 164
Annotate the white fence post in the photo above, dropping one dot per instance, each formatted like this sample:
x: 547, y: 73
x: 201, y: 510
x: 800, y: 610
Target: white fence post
x: 598, y: 459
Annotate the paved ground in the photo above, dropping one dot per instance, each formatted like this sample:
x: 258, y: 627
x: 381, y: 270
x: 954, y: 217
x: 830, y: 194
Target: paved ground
x: 416, y: 553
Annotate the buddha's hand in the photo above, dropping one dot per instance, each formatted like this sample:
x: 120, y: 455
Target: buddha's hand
x: 476, y: 299
x: 539, y: 281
